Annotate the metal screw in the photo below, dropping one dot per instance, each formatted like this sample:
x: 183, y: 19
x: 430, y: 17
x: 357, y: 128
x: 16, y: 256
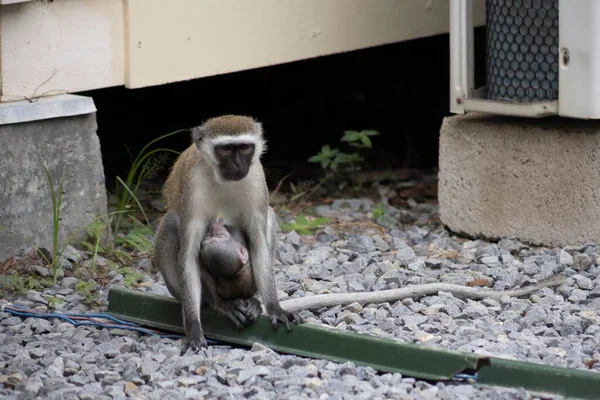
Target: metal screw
x: 565, y: 56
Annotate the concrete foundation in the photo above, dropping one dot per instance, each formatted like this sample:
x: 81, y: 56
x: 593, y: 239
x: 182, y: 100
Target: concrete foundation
x: 533, y: 180
x: 67, y: 144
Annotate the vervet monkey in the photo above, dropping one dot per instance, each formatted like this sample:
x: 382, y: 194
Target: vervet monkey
x: 218, y: 175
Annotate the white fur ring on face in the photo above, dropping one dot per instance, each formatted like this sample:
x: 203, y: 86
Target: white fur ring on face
x: 208, y: 145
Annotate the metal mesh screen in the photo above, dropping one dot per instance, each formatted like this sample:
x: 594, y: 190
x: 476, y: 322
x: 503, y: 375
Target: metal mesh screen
x: 522, y: 50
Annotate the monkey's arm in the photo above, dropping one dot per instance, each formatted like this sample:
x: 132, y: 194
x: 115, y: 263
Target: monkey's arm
x: 262, y: 237
x: 416, y: 291
x: 189, y: 270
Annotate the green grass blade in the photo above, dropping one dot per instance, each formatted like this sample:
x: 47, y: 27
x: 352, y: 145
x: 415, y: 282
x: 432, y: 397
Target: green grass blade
x: 134, y: 197
x: 55, y: 224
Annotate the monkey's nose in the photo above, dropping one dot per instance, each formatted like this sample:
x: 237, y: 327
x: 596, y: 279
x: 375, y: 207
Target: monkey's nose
x: 237, y: 161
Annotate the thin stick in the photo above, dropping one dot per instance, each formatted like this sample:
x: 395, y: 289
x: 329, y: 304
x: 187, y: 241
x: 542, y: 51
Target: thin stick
x: 416, y: 291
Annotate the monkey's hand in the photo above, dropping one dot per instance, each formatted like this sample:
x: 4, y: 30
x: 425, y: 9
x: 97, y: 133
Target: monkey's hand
x: 278, y: 314
x: 251, y: 308
x: 194, y: 341
x: 242, y: 312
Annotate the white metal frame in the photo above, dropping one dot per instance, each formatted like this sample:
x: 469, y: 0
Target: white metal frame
x: 465, y: 97
x: 579, y: 72
x: 461, y: 54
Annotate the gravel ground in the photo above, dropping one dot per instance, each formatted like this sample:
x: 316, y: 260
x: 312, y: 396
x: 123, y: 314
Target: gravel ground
x: 52, y: 359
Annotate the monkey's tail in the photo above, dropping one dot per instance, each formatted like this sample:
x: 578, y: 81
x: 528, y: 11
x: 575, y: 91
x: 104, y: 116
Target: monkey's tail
x: 416, y: 291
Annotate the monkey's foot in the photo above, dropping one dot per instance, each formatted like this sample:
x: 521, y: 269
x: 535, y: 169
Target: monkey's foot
x: 278, y: 314
x: 193, y: 341
x: 242, y: 312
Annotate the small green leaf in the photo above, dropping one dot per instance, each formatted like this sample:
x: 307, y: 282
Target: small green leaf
x: 287, y: 226
x: 319, y: 221
x: 301, y: 220
x: 315, y: 159
x: 379, y: 212
x: 350, y: 136
x: 344, y: 158
x: 366, y: 141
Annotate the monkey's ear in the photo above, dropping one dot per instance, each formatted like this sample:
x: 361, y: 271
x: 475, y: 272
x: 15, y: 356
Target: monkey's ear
x: 197, y: 134
x: 258, y: 128
x: 243, y: 253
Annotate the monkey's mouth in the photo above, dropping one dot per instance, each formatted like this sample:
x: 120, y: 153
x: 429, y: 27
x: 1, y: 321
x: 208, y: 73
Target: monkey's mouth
x: 213, y: 239
x: 217, y: 234
x: 235, y: 175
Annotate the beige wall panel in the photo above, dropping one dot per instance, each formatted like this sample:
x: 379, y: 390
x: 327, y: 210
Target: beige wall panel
x: 186, y: 39
x: 60, y: 46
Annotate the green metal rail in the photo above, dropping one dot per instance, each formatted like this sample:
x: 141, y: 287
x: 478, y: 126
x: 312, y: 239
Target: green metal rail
x: 336, y: 345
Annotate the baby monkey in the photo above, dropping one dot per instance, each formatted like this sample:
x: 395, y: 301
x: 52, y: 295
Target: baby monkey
x: 224, y: 253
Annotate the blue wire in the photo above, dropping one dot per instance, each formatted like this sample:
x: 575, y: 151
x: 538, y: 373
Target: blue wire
x: 91, y: 315
x: 30, y: 315
x: 105, y: 316
x: 65, y: 317
x: 465, y: 376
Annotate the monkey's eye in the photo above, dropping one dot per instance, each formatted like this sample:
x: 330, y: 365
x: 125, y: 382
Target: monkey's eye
x: 224, y: 150
x: 245, y: 148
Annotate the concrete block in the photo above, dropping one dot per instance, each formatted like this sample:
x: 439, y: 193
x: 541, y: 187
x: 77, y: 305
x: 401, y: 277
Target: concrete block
x: 70, y: 149
x: 533, y: 180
